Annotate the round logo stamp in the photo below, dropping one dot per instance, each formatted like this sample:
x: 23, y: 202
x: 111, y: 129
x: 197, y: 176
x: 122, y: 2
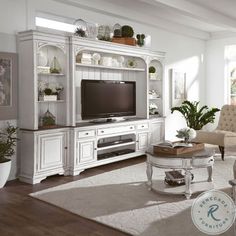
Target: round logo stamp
x: 213, y: 212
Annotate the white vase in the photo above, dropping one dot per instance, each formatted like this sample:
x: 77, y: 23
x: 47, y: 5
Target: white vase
x: 5, y: 169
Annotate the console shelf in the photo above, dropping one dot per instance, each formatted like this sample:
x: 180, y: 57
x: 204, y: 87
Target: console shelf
x: 116, y: 145
x: 110, y: 67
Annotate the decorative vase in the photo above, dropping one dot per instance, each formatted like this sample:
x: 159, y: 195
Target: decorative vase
x: 5, y: 169
x: 55, y: 67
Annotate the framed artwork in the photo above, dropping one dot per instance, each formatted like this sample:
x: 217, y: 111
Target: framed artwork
x: 8, y: 86
x: 178, y: 87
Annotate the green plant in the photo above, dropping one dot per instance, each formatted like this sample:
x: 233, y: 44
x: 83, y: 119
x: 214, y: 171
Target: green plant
x: 127, y: 31
x: 196, y: 117
x: 47, y: 121
x: 8, y: 141
x: 152, y: 69
x: 48, y: 91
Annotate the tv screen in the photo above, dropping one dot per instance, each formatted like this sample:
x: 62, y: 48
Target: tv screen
x: 107, y: 98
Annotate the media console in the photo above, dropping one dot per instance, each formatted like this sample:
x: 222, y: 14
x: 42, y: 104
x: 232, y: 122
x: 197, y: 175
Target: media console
x: 71, y: 150
x: 74, y: 145
x: 105, y: 143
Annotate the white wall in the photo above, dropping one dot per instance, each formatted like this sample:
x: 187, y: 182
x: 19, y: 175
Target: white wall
x: 183, y: 52
x: 216, y: 83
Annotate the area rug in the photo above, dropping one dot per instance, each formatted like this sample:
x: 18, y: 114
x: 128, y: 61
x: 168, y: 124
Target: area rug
x: 120, y: 199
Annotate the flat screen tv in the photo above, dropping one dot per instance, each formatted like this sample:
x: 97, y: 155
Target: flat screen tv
x: 107, y: 98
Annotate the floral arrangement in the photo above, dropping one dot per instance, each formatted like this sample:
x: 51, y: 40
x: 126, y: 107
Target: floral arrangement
x: 153, y: 109
x: 49, y: 88
x: 186, y: 133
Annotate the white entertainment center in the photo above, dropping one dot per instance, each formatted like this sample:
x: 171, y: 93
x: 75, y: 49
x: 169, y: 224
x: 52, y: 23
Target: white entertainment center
x: 73, y: 144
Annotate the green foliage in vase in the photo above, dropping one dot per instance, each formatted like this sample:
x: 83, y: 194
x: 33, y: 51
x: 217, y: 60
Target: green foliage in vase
x: 8, y: 142
x: 196, y: 117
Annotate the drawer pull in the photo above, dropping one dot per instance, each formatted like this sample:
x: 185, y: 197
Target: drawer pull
x: 131, y: 127
x: 102, y: 131
x: 66, y: 148
x: 86, y: 133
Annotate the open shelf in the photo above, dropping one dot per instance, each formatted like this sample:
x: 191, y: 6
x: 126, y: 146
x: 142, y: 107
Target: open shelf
x: 115, y: 145
x: 51, y: 74
x: 110, y: 67
x: 114, y: 154
x: 57, y: 101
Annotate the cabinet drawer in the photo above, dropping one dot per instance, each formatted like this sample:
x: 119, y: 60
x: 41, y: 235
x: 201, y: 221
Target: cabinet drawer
x: 115, y: 130
x: 86, y: 134
x: 142, y: 126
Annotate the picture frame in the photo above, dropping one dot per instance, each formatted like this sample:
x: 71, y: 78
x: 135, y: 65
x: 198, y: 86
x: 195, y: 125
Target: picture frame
x: 8, y: 85
x: 178, y: 87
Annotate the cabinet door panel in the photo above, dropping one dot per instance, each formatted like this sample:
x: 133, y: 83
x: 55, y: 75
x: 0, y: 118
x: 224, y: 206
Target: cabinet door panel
x: 52, y: 150
x: 157, y: 132
x: 142, y: 141
x: 86, y: 151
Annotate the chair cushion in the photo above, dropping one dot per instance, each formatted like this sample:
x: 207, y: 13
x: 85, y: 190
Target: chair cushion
x: 216, y: 137
x: 227, y: 119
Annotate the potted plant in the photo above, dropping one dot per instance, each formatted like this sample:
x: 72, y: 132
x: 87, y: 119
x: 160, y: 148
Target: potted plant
x: 7, y: 150
x: 127, y: 33
x: 49, y: 92
x: 152, y: 73
x: 140, y: 39
x: 196, y: 117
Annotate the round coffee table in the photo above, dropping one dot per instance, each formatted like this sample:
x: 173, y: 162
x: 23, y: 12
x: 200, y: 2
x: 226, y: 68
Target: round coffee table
x: 185, y: 162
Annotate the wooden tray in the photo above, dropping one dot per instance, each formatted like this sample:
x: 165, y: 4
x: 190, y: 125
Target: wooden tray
x: 127, y: 41
x: 177, y: 150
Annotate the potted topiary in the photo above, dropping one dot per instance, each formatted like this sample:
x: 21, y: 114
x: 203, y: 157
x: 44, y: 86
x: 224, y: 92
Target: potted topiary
x: 140, y: 39
x: 127, y: 33
x: 152, y: 73
x: 7, y: 150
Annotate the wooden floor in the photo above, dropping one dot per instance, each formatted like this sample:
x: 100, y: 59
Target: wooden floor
x: 23, y: 215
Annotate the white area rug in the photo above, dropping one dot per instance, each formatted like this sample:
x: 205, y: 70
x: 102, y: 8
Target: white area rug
x: 120, y: 199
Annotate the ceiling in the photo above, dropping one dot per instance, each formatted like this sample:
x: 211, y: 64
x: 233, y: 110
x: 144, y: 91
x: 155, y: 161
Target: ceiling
x: 198, y: 18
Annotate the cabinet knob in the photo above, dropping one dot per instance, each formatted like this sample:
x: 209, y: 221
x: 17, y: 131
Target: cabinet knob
x: 66, y: 148
x: 86, y: 133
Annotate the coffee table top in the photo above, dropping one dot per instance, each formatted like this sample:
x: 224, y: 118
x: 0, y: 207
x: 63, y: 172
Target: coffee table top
x: 196, y: 154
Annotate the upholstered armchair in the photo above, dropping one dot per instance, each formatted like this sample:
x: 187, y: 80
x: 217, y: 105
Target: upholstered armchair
x: 225, y: 133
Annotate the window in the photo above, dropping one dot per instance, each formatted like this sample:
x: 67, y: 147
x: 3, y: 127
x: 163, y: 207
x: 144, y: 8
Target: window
x: 57, y: 25
x: 230, y: 54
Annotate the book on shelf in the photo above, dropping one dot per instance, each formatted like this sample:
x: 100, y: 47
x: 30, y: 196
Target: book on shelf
x: 169, y: 144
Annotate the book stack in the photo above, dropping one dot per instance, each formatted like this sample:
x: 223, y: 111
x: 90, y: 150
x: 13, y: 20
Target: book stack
x: 175, y: 178
x: 86, y: 58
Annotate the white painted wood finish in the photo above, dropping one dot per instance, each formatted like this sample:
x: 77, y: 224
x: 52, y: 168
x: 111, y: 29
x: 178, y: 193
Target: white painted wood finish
x: 86, y: 151
x: 142, y: 141
x: 30, y: 44
x: 157, y: 128
x: 46, y: 152
x: 43, y: 153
